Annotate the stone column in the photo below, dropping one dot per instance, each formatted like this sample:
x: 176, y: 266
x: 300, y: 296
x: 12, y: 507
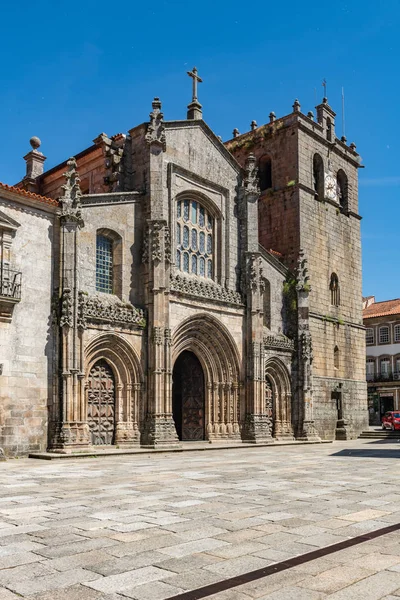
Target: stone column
x: 159, y: 429
x: 257, y: 422
x: 71, y: 428
x: 306, y: 426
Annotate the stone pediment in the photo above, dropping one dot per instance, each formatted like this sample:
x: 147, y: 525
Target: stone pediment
x: 7, y: 222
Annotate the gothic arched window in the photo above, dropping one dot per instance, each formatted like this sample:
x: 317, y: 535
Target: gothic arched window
x: 335, y: 290
x: 318, y: 176
x: 336, y: 358
x: 194, y: 239
x: 104, y: 264
x: 342, y: 190
x: 265, y: 172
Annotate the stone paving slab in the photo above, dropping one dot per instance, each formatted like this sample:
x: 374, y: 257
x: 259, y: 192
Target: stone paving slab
x: 151, y: 525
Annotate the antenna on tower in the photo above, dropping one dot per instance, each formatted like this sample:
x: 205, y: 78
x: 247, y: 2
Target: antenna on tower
x: 343, y: 120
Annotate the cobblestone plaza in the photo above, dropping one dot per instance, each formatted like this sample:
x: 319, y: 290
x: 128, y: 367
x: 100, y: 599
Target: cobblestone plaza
x: 157, y: 525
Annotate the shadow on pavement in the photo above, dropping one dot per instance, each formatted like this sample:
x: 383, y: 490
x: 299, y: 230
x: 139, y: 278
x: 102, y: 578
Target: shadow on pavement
x: 369, y: 453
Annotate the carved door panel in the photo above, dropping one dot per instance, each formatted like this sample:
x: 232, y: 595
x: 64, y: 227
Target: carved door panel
x: 189, y: 398
x: 101, y: 404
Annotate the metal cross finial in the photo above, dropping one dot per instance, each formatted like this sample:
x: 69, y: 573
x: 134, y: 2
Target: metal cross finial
x: 196, y: 78
x: 324, y: 86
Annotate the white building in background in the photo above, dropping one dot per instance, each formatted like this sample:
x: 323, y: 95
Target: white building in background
x: 382, y: 322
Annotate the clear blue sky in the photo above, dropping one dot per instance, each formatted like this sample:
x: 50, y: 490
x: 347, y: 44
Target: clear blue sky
x: 72, y: 70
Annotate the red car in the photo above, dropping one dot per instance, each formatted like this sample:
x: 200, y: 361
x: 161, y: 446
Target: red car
x: 391, y: 420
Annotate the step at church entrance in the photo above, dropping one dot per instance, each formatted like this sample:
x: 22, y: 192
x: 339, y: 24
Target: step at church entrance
x: 188, y: 397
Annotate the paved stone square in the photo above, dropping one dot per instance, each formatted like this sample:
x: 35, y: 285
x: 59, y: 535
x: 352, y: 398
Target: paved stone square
x: 151, y: 526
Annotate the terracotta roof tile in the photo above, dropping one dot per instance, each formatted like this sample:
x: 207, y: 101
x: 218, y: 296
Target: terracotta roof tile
x: 22, y: 192
x: 275, y: 252
x: 382, y: 309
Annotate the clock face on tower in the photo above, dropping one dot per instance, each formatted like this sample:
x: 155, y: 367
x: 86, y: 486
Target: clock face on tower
x: 330, y: 187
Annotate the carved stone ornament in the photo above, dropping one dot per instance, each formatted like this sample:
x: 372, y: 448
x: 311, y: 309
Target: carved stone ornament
x: 303, y: 279
x: 109, y: 310
x: 66, y: 316
x: 157, y: 242
x: 156, y: 130
x: 157, y: 335
x: 251, y: 182
x: 255, y: 270
x: 71, y: 199
x: 306, y: 346
x: 113, y: 153
x: 278, y: 342
x: 200, y: 289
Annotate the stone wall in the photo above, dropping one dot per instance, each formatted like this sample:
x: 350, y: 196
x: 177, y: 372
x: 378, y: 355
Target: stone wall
x: 26, y: 342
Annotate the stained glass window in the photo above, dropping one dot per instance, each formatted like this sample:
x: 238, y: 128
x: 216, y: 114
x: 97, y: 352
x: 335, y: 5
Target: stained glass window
x: 186, y: 210
x: 194, y: 244
x: 186, y: 262
x: 186, y: 237
x: 194, y: 264
x: 194, y: 239
x: 202, y: 238
x: 104, y: 264
x: 202, y: 265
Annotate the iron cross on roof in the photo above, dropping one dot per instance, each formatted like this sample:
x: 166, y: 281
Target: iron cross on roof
x: 196, y: 78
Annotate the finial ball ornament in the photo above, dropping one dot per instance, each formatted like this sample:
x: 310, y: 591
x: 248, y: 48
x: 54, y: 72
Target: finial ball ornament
x: 35, y: 142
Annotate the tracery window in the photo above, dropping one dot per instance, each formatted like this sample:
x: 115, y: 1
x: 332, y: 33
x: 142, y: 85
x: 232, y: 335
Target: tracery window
x: 104, y: 264
x: 194, y: 239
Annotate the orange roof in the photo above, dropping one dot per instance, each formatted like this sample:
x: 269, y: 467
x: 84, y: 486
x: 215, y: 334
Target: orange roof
x: 22, y: 192
x: 382, y: 309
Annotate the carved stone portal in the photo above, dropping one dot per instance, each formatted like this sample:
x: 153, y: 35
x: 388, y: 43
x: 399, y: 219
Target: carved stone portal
x: 101, y: 404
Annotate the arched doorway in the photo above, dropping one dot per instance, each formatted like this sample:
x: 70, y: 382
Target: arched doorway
x: 188, y: 397
x: 278, y: 398
x: 101, y: 404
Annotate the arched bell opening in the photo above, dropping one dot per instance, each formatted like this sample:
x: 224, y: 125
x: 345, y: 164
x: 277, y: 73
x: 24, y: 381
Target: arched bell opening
x: 188, y: 397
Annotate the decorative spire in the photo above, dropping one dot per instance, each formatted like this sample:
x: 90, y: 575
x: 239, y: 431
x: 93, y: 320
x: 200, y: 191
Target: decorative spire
x: 253, y: 125
x: 303, y: 279
x: 156, y: 130
x: 310, y: 115
x: 251, y: 183
x: 194, y: 108
x: 272, y: 116
x: 71, y: 198
x: 34, y: 164
x: 235, y: 133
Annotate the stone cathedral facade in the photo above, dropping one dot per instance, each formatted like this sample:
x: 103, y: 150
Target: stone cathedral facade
x: 162, y: 286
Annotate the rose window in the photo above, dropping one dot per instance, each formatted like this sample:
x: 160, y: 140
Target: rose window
x: 194, y: 239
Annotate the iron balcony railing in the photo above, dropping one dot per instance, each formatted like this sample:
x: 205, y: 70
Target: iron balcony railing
x: 10, y: 283
x: 389, y: 376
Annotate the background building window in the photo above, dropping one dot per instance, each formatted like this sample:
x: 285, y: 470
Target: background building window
x: 318, y: 176
x: 195, y: 239
x: 335, y: 290
x: 397, y: 333
x: 385, y: 367
x: 370, y: 369
x: 265, y: 172
x: 369, y: 336
x: 384, y: 335
x: 104, y: 264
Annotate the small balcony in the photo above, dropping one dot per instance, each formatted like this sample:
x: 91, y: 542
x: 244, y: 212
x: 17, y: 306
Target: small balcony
x: 10, y: 291
x: 381, y: 377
